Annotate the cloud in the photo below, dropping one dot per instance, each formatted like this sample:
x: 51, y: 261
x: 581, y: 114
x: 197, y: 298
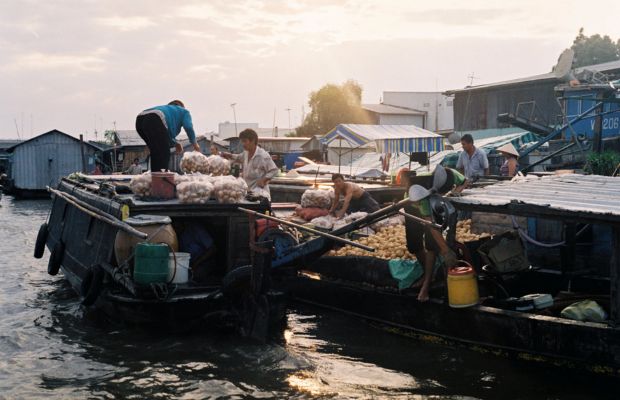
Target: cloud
x: 126, y: 24
x: 91, y: 62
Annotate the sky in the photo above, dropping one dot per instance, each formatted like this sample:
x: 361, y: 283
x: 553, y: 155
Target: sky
x: 81, y: 66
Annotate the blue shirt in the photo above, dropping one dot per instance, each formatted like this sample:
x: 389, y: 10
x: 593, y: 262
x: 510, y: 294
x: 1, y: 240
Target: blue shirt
x: 177, y: 118
x: 195, y: 240
x: 473, y: 166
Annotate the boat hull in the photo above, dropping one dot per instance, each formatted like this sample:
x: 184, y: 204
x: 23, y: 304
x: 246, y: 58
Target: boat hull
x: 593, y: 346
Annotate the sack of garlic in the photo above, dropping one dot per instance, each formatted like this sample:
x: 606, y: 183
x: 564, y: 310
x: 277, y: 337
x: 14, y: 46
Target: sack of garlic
x: 218, y: 165
x: 197, y: 191
x: 228, y: 189
x: 194, y: 161
x: 140, y: 185
x: 319, y: 198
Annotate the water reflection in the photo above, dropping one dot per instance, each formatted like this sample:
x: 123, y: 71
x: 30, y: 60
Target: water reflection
x: 50, y: 347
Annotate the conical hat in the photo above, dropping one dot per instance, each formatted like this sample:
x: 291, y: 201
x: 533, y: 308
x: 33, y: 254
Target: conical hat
x: 508, y: 148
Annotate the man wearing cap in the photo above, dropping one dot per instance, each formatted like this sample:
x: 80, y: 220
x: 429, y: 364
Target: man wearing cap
x: 159, y: 126
x: 472, y: 161
x: 424, y: 241
x: 510, y: 167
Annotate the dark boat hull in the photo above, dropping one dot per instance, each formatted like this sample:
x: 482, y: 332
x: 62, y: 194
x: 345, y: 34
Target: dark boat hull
x: 87, y: 242
x: 594, y: 346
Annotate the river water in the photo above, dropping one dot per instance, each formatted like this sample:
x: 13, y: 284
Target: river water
x: 50, y: 347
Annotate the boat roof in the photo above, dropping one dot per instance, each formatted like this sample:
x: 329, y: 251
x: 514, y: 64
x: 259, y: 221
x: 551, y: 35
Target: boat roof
x: 574, y: 196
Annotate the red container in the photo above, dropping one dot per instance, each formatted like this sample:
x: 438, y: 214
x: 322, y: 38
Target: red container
x: 162, y: 185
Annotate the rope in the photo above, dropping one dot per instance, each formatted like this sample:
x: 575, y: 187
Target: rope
x: 529, y: 239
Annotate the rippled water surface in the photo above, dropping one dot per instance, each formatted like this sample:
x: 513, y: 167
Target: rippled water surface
x: 52, y: 348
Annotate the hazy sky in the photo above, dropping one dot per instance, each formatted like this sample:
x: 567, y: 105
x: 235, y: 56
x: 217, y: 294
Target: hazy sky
x: 77, y: 65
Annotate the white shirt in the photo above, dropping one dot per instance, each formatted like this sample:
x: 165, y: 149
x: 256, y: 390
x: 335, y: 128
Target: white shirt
x: 258, y: 167
x: 473, y: 166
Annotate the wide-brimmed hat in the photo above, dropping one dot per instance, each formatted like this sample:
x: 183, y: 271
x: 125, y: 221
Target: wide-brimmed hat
x: 508, y: 148
x: 417, y: 193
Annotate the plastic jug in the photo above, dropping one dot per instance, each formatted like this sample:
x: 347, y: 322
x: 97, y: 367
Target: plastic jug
x: 151, y: 263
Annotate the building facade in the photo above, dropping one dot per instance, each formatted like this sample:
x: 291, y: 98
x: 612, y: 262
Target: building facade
x: 45, y: 159
x: 437, y: 106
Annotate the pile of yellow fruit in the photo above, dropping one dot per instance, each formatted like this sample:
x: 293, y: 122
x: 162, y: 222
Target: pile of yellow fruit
x: 390, y: 242
x: 464, y: 233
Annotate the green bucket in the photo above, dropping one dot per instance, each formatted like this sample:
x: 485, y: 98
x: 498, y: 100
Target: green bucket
x: 151, y: 263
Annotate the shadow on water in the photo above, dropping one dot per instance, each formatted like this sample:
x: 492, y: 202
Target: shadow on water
x: 51, y: 346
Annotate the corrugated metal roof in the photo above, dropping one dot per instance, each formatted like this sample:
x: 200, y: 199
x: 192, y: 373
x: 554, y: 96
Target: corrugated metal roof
x: 387, y: 138
x: 390, y: 109
x: 7, y: 143
x: 589, y: 195
x: 52, y: 132
x: 129, y: 138
x: 603, y: 67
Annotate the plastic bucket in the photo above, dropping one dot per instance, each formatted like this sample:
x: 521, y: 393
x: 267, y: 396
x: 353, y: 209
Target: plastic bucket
x: 162, y: 185
x: 180, y: 273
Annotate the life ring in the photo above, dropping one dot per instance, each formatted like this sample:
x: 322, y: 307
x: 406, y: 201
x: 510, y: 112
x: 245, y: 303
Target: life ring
x: 92, y: 285
x: 58, y: 252
x: 237, y: 280
x: 39, y: 245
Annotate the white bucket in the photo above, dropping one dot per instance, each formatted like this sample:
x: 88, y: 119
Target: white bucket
x: 182, y: 267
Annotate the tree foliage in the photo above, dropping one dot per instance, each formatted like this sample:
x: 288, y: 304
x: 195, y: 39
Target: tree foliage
x: 108, y: 136
x: 594, y: 49
x: 332, y: 105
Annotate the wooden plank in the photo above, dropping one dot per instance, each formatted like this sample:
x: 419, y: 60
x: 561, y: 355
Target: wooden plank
x: 614, y: 276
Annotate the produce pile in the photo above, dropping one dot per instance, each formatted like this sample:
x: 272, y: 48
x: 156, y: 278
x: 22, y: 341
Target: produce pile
x: 388, y: 222
x: 464, y: 233
x: 140, y: 185
x: 318, y: 198
x: 389, y: 243
x: 228, y: 189
x: 331, y: 222
x: 194, y: 161
x: 218, y: 165
x: 195, y: 191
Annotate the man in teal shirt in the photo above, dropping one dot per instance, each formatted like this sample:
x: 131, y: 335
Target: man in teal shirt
x: 159, y: 126
x: 423, y: 241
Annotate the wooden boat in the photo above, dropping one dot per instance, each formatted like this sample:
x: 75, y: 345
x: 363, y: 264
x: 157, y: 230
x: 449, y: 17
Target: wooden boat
x: 362, y: 287
x: 84, y: 221
x: 87, y: 215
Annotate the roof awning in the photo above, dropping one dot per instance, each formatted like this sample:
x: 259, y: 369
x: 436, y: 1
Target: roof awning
x: 387, y: 138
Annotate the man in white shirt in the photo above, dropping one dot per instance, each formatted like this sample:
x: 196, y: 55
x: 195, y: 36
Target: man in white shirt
x: 258, y: 167
x: 472, y: 161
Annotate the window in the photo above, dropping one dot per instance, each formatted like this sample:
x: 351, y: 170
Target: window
x: 426, y: 105
x: 449, y: 103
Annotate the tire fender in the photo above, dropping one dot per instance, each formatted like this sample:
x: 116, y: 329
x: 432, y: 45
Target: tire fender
x: 58, y: 252
x: 39, y: 245
x: 92, y: 285
x: 237, y: 280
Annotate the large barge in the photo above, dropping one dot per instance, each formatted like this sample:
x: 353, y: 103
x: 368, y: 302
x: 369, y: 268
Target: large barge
x: 362, y: 286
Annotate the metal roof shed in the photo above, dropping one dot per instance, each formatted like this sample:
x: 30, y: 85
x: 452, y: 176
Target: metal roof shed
x: 45, y: 159
x: 387, y: 138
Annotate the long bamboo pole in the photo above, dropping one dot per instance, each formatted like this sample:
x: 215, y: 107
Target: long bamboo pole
x: 305, y: 228
x: 98, y: 214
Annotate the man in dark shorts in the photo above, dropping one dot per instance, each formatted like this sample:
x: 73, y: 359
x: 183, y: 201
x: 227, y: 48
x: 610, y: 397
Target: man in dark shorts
x: 355, y: 198
x: 422, y: 240
x: 159, y: 126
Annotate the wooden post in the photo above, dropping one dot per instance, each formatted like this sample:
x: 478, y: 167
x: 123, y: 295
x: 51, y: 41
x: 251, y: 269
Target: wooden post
x: 614, y: 276
x: 598, y: 127
x: 568, y: 251
x: 82, y: 152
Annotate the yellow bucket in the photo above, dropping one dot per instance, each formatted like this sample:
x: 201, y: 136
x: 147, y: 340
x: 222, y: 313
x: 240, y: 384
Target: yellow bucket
x: 462, y: 286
